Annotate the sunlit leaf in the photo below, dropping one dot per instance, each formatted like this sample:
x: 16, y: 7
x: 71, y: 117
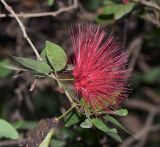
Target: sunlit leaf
x: 7, y: 130
x: 56, y: 56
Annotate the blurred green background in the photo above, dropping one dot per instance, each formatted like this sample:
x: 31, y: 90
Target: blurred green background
x: 135, y: 22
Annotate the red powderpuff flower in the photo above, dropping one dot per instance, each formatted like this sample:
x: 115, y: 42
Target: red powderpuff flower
x: 100, y: 75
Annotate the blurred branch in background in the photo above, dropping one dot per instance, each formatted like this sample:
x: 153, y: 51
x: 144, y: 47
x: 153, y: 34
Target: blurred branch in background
x: 12, y: 143
x: 143, y: 134
x: 153, y: 5
x: 150, y: 4
x: 9, y: 8
x: 43, y: 14
x: 138, y: 25
x: 134, y: 49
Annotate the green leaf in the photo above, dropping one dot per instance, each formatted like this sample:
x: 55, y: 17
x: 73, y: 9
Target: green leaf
x: 104, y: 19
x: 121, y: 112
x: 98, y: 123
x: 110, y: 9
x: 102, y: 126
x: 38, y: 66
x: 43, y: 55
x: 50, y: 2
x: 117, y: 10
x: 86, y: 124
x: 85, y: 106
x: 56, y: 56
x: 7, y: 130
x: 114, y: 121
x: 46, y: 141
x: 125, y: 9
x: 7, y: 65
x: 115, y: 136
x: 118, y: 124
x: 71, y: 119
x: 4, y: 72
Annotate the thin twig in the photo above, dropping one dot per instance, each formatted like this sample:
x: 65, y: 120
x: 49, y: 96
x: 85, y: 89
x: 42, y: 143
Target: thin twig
x: 44, y: 14
x: 145, y: 130
x: 152, y: 94
x: 65, y: 113
x: 150, y: 4
x: 135, y: 48
x: 33, y: 85
x: 12, y: 143
x: 139, y: 104
x: 9, y: 9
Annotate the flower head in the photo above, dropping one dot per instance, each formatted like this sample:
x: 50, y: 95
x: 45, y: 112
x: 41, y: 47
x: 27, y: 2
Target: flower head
x: 100, y: 75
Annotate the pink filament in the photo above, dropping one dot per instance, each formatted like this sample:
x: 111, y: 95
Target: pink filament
x: 99, y: 66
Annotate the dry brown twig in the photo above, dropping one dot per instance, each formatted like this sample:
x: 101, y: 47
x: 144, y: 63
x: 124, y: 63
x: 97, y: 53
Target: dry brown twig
x: 16, y: 16
x: 9, y: 9
x: 33, y: 85
x: 152, y: 94
x: 12, y: 143
x: 134, y: 49
x: 43, y: 14
x: 144, y: 132
x: 150, y: 4
x: 22, y: 27
x: 139, y: 105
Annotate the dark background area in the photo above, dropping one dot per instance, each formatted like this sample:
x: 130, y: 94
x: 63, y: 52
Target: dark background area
x: 139, y: 30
